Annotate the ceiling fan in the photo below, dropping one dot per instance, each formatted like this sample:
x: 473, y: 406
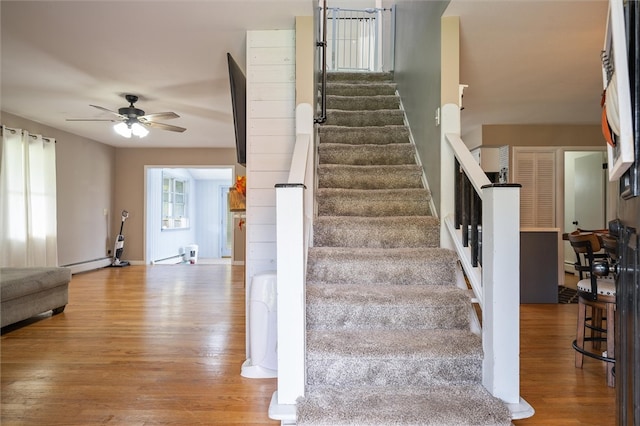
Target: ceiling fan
x: 133, y: 121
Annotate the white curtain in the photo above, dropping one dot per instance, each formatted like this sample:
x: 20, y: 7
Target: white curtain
x: 28, y: 222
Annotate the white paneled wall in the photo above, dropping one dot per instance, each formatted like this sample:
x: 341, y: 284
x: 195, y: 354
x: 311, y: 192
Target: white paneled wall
x: 270, y: 138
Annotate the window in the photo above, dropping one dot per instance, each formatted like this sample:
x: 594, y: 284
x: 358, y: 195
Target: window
x: 175, y: 195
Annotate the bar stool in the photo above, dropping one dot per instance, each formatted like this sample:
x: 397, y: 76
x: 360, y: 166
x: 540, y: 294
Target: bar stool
x: 599, y: 295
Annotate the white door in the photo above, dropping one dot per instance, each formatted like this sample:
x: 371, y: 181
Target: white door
x: 226, y: 223
x: 584, y: 198
x: 589, y: 185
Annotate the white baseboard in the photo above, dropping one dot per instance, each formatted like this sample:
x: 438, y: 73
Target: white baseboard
x: 89, y: 265
x: 174, y: 260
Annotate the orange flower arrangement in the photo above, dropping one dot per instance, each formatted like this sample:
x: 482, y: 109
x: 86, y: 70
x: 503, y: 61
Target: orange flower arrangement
x: 241, y: 185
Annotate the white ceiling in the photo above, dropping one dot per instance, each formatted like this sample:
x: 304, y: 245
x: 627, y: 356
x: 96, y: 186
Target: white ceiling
x: 524, y: 61
x: 530, y: 62
x: 58, y: 57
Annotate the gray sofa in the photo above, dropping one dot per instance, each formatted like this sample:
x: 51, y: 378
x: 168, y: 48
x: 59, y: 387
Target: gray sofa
x: 26, y: 292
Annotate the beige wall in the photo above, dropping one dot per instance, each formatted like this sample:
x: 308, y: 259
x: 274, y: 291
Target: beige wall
x: 130, y: 184
x: 85, y: 182
x: 542, y: 135
x: 305, y: 50
x: 450, y: 61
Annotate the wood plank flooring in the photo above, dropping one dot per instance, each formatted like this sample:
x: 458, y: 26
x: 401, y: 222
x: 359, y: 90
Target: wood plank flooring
x: 163, y: 344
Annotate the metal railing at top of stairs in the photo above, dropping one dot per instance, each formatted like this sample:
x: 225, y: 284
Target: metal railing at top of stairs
x: 490, y: 259
x: 322, y: 44
x: 356, y: 40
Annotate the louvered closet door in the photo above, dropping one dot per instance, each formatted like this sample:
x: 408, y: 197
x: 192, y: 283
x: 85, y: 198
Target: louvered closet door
x: 536, y: 172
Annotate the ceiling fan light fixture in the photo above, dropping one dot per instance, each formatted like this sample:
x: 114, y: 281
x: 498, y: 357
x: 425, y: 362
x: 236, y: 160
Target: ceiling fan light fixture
x: 122, y: 129
x: 139, y: 130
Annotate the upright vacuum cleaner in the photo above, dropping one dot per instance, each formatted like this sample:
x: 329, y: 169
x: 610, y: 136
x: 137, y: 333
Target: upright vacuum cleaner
x: 119, y: 245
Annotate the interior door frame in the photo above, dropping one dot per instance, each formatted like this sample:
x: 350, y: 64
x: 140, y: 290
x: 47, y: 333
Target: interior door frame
x: 145, y: 242
x: 610, y: 189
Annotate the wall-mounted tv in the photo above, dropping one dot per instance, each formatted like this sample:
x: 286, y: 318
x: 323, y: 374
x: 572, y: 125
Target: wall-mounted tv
x: 238, y: 83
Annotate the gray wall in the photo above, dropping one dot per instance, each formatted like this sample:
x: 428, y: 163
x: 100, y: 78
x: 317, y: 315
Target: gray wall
x: 85, y: 184
x: 417, y: 72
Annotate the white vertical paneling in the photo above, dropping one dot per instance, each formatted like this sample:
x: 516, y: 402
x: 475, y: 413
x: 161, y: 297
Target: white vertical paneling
x: 263, y: 197
x: 270, y: 138
x: 272, y: 144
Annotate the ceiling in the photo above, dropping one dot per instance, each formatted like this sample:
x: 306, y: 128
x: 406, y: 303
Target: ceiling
x: 58, y: 57
x: 530, y: 62
x: 524, y: 61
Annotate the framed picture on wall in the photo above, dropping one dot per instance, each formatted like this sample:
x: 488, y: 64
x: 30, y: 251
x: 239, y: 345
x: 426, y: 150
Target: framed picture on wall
x: 616, y: 115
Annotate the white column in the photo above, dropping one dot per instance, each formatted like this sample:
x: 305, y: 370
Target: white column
x: 291, y: 296
x: 501, y: 285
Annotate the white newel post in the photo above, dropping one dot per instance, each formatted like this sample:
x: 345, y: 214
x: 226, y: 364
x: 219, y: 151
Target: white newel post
x: 290, y: 299
x: 501, y: 287
x: 450, y: 123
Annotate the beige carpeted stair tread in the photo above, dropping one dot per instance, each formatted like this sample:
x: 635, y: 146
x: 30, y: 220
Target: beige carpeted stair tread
x: 373, y: 202
x: 361, y: 89
x: 418, y: 357
x: 393, y: 344
x: 377, y: 135
x: 443, y: 405
x: 363, y: 102
x: 382, y: 117
x: 420, y: 266
x: 376, y: 232
x: 369, y: 176
x: 359, y: 78
x: 367, y: 154
x: 381, y: 306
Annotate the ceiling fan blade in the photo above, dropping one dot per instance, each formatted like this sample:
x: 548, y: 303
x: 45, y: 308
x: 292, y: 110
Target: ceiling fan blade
x: 164, y: 126
x: 113, y: 120
x: 108, y: 110
x: 158, y: 116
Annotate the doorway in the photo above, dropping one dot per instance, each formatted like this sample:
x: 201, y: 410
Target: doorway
x: 585, y: 195
x: 184, y: 207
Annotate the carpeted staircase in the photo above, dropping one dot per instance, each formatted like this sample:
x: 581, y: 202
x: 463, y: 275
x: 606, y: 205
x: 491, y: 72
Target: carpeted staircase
x: 388, y: 331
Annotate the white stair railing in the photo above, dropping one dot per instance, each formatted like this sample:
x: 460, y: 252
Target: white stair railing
x: 294, y: 208
x: 495, y: 279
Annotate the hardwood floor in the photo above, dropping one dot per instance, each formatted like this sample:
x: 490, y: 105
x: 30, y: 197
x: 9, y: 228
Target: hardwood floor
x: 164, y: 344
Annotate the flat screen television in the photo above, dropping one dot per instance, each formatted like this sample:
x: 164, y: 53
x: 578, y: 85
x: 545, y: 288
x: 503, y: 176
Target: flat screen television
x: 238, y: 83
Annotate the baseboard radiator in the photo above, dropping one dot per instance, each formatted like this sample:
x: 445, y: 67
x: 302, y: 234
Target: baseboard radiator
x: 88, y: 265
x: 171, y: 260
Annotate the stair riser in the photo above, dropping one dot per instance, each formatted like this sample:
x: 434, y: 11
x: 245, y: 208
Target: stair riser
x: 374, y: 208
x: 411, y: 234
x: 363, y: 103
x: 414, y: 371
x: 363, y: 155
x: 348, y: 89
x: 355, y: 78
x: 364, y: 135
x: 323, y: 315
x: 365, y: 118
x: 394, y: 271
x: 369, y: 178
